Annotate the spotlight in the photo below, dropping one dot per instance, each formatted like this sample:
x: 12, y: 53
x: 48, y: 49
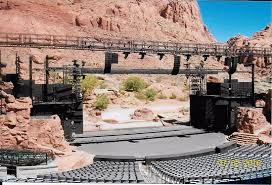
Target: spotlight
x: 142, y: 55
x: 126, y: 54
x: 161, y: 55
x: 206, y: 57
x: 188, y: 56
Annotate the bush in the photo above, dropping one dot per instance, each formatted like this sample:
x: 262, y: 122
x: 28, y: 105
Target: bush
x: 88, y: 84
x: 134, y: 84
x: 173, y: 96
x: 161, y: 96
x: 140, y: 95
x: 150, y: 94
x: 186, y: 86
x: 183, y: 98
x: 101, y: 103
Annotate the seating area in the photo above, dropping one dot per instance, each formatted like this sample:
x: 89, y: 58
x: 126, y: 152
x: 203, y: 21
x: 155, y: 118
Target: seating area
x: 243, y: 164
x: 239, y: 164
x: 98, y: 172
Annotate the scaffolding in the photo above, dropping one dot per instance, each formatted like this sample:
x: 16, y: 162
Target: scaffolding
x: 128, y: 46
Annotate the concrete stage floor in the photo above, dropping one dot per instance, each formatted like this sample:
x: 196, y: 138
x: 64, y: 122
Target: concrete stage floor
x: 156, y: 146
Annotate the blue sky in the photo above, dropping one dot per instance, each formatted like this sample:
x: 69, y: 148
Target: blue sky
x: 226, y: 19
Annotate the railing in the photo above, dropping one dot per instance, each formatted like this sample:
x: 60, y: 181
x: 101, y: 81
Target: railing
x: 122, y: 45
x: 11, y: 157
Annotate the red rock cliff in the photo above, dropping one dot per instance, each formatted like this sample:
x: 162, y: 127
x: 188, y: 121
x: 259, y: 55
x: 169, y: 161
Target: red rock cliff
x: 262, y: 38
x: 176, y: 20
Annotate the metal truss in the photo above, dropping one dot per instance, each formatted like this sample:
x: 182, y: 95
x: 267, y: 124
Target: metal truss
x: 127, y: 46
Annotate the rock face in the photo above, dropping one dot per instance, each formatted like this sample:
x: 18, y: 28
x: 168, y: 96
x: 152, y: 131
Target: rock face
x: 77, y: 159
x: 159, y: 20
x: 6, y: 86
x: 252, y: 121
x: 168, y: 91
x: 19, y: 131
x: 259, y: 39
x: 142, y: 19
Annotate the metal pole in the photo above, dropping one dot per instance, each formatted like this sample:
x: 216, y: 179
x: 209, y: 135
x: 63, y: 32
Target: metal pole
x: 30, y: 77
x: 230, y: 86
x: 0, y: 64
x: 253, y: 84
x: 229, y: 106
x: 45, y: 95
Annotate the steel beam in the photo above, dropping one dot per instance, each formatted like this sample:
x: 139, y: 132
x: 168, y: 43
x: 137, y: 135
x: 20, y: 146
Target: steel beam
x: 127, y: 46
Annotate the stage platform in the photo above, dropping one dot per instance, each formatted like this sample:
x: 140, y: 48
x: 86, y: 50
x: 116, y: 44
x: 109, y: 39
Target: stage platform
x: 149, y: 142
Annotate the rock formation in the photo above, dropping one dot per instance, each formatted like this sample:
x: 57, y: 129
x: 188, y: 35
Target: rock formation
x: 159, y: 20
x: 168, y: 91
x: 252, y: 121
x: 259, y: 39
x: 177, y: 20
x: 19, y: 131
x: 143, y: 114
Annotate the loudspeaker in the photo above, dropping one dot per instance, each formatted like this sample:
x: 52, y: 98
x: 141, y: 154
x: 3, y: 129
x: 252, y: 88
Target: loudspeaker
x: 227, y: 61
x: 114, y: 57
x: 108, y: 62
x: 231, y: 62
x: 176, y: 67
x: 233, y: 65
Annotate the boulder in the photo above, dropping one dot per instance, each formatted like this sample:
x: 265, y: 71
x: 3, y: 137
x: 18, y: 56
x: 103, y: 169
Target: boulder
x: 19, y: 131
x: 252, y: 121
x: 6, y: 86
x: 143, y: 114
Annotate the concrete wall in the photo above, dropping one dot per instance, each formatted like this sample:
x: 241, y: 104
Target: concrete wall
x: 32, y: 171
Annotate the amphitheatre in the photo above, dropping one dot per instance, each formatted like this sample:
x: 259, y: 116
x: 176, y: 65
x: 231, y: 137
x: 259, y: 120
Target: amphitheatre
x: 135, y: 91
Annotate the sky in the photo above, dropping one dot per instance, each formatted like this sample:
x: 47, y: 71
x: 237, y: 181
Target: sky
x: 226, y: 19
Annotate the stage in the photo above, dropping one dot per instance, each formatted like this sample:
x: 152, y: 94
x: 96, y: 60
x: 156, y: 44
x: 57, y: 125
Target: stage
x: 175, y: 141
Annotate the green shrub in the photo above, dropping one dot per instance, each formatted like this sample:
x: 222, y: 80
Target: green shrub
x: 140, y: 95
x: 186, y: 86
x: 150, y: 94
x: 134, y: 84
x: 183, y: 98
x: 88, y: 84
x: 161, y: 96
x: 173, y: 96
x: 101, y: 102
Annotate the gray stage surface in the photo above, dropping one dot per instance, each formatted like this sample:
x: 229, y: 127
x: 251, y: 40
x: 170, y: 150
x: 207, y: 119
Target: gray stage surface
x: 156, y: 146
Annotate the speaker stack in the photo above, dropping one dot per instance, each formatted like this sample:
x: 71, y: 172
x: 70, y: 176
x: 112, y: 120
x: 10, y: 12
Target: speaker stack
x: 176, y: 67
x: 110, y: 58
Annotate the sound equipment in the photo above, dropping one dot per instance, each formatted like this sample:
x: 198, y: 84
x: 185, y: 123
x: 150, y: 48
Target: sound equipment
x: 176, y: 67
x: 110, y: 58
